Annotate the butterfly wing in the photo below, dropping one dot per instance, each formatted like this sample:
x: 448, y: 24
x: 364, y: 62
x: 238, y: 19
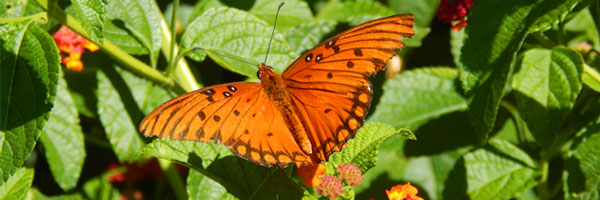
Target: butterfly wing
x: 329, y: 84
x: 236, y: 114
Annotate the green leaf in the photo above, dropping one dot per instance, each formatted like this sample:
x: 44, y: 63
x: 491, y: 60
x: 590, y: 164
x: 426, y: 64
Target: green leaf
x: 417, y: 96
x: 18, y: 8
x: 201, y: 187
x: 35, y: 194
x: 546, y: 87
x: 98, y: 188
x: 500, y: 171
x: 17, y: 184
x: 496, y: 31
x: 197, y: 155
x: 292, y: 14
x: 202, y: 6
x: 357, y: 12
x: 238, y: 35
x: 63, y: 140
x: 582, y: 174
x: 589, y: 81
x: 307, y: 35
x: 241, y: 178
x: 91, y: 14
x: 29, y: 64
x: 362, y: 150
x: 118, y: 35
x: 423, y: 11
x: 142, y: 18
x: 119, y: 113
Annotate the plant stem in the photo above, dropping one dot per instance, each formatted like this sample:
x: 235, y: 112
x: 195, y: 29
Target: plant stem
x: 542, y: 188
x: 179, y: 68
x: 127, y: 61
x: 173, y: 178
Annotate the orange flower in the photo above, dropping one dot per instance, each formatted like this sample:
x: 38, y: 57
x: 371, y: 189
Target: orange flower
x: 311, y: 174
x: 403, y: 192
x: 73, y: 45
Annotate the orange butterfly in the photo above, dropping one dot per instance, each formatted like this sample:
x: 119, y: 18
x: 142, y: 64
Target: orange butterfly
x: 303, y: 115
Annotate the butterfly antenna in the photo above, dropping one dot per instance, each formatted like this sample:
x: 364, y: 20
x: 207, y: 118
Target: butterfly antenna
x: 226, y: 56
x: 273, y: 32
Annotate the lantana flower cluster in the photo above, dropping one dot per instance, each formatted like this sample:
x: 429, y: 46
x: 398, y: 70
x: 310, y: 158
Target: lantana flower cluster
x: 71, y: 46
x: 455, y: 12
x: 331, y: 185
x: 403, y: 192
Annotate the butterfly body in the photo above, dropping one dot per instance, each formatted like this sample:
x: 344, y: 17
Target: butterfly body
x: 301, y: 116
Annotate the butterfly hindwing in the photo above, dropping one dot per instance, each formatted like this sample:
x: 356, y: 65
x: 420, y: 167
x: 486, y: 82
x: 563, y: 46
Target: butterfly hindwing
x: 236, y: 114
x: 329, y: 84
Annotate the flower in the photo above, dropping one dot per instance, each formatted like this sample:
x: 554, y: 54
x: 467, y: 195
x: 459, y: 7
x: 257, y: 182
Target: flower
x: 330, y: 187
x: 73, y: 45
x: 128, y: 173
x: 454, y: 11
x: 403, y: 192
x: 350, y: 174
x: 311, y: 174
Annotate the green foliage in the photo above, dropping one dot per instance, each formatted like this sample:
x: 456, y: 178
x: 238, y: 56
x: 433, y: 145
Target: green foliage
x: 508, y: 109
x: 63, y: 140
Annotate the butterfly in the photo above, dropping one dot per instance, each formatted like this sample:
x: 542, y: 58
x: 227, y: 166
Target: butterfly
x: 301, y: 116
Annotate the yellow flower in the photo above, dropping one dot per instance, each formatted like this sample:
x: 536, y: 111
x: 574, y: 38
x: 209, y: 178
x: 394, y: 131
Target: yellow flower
x: 403, y: 192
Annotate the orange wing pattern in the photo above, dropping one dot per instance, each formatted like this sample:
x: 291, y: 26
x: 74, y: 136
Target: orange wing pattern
x: 329, y: 84
x: 236, y: 114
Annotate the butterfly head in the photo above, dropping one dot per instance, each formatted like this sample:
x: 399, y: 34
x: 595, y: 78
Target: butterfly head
x: 264, y: 70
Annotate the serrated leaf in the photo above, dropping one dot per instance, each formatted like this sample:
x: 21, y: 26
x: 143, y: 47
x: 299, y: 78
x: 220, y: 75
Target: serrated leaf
x: 63, y: 140
x: 416, y: 96
x: 292, y: 14
x: 362, y: 150
x: 239, y: 35
x: 91, y: 15
x: 241, y: 178
x: 495, y: 34
x: 118, y: 35
x: 142, y: 18
x: 357, y: 12
x: 17, y: 184
x: 197, y: 155
x: 202, y: 6
x: 305, y: 36
x: 499, y: 171
x: 98, y: 188
x: 119, y: 114
x: 201, y: 187
x: 546, y: 87
x: 29, y: 64
x: 582, y: 178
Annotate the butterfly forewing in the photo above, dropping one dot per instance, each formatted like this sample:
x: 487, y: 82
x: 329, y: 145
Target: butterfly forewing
x: 329, y: 84
x: 237, y: 114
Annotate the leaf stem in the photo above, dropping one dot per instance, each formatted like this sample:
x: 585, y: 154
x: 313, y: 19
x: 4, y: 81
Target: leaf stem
x: 517, y: 120
x: 544, y: 40
x: 591, y: 72
x: 173, y: 178
x: 127, y: 61
x: 542, y: 188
